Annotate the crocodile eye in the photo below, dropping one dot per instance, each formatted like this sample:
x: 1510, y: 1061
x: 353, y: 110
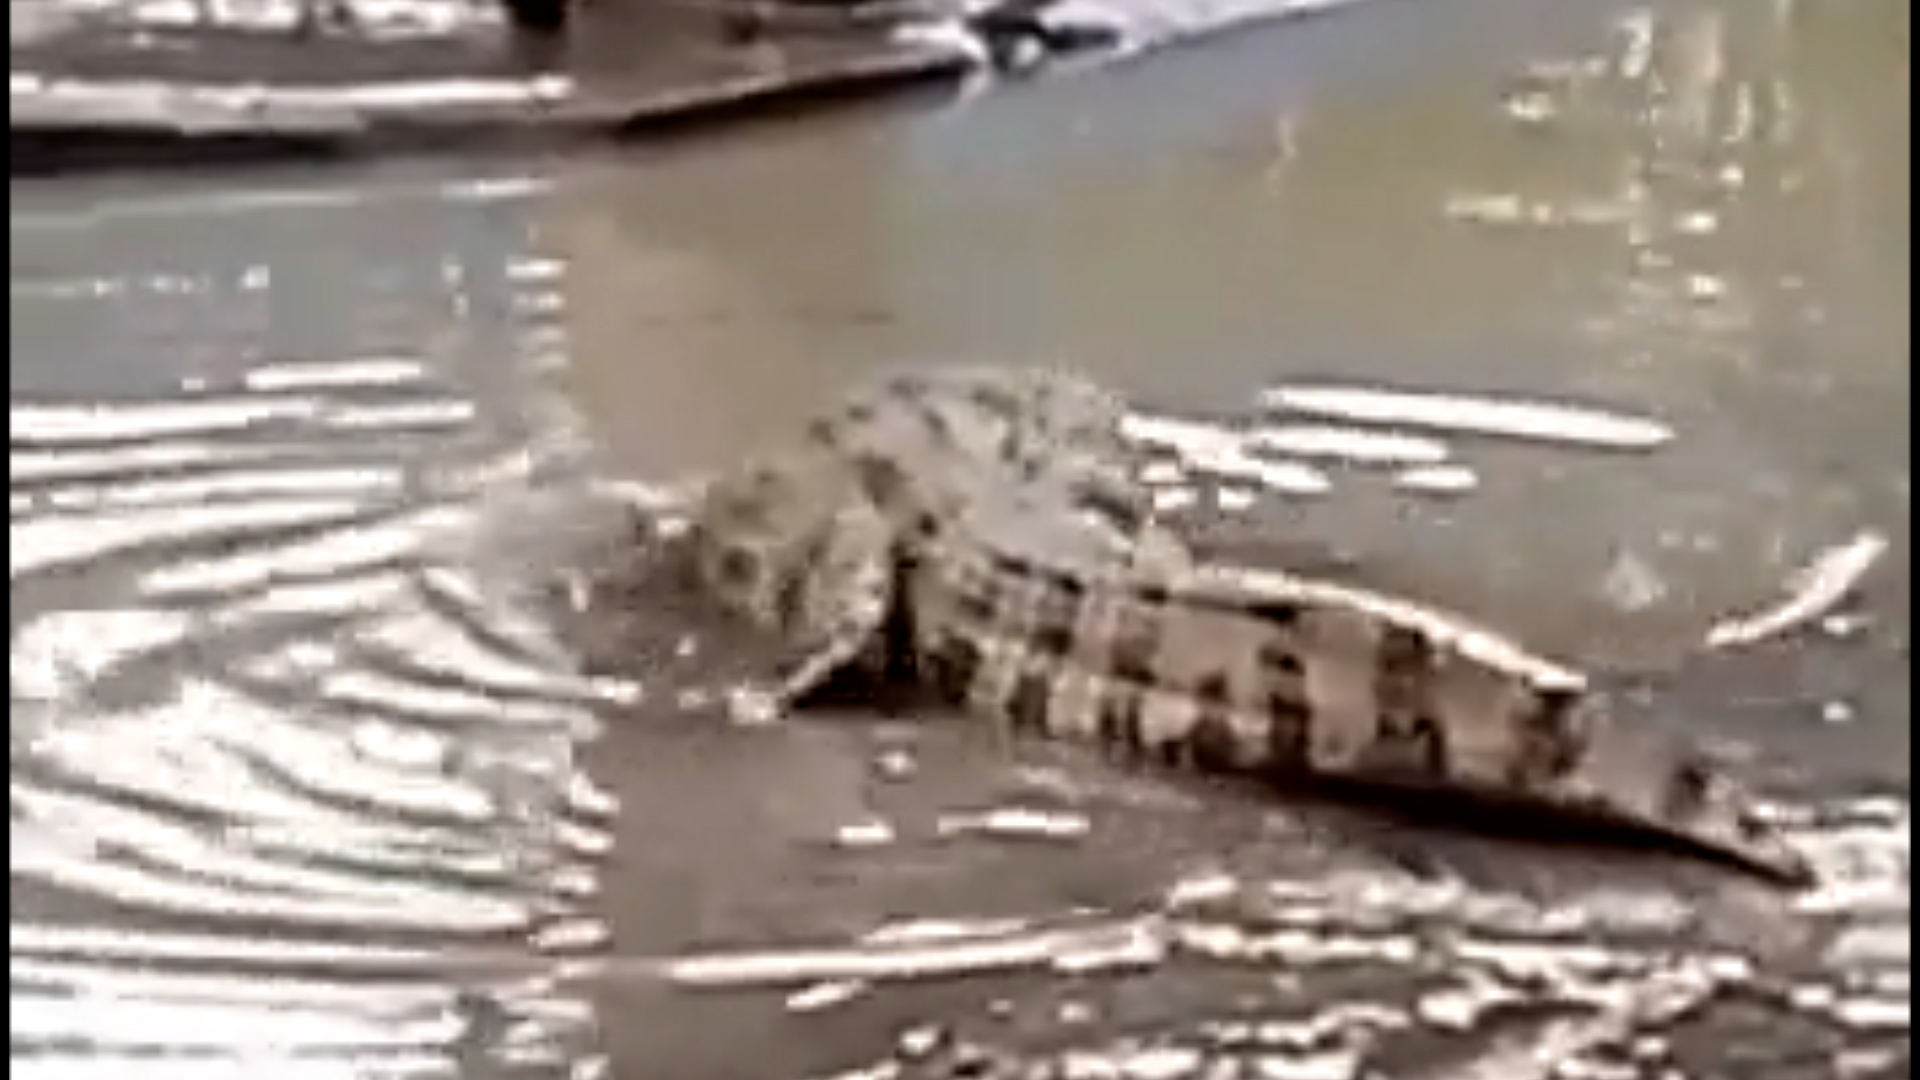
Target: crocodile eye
x: 735, y: 567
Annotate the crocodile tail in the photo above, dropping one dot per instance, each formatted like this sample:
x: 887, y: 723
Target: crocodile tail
x: 1396, y: 691
x: 1647, y: 778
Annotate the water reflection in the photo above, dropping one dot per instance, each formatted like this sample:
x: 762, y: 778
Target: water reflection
x: 300, y: 783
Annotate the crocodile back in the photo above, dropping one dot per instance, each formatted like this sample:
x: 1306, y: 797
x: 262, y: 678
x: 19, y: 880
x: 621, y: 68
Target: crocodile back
x: 1269, y: 674
x: 915, y: 452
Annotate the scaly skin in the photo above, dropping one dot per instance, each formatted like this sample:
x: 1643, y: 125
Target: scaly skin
x: 992, y: 514
x: 804, y: 539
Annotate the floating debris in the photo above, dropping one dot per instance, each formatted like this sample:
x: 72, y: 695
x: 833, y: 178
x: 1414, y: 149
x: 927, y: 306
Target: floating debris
x: 874, y: 833
x: 1812, y: 592
x: 895, y: 764
x: 1235, y: 499
x: 825, y: 995
x: 1546, y: 421
x: 1437, y: 479
x: 1222, y: 452
x: 1017, y: 822
x: 920, y: 1042
x: 1363, y: 446
x: 1290, y: 477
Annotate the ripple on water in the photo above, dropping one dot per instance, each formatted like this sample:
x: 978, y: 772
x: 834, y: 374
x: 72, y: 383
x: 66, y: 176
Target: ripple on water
x: 1347, y: 972
x: 293, y: 788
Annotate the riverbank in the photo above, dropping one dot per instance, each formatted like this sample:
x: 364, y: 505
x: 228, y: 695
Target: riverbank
x: 102, y: 90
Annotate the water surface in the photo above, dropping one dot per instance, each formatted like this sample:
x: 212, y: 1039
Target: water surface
x: 303, y: 783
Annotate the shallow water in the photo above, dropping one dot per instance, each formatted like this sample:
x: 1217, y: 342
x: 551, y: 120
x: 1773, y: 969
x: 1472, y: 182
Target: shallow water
x: 303, y: 783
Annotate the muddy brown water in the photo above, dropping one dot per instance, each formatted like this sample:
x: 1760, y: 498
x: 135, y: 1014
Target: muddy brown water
x: 304, y: 784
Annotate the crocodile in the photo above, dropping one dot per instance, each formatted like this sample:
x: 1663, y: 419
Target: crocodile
x: 978, y: 531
